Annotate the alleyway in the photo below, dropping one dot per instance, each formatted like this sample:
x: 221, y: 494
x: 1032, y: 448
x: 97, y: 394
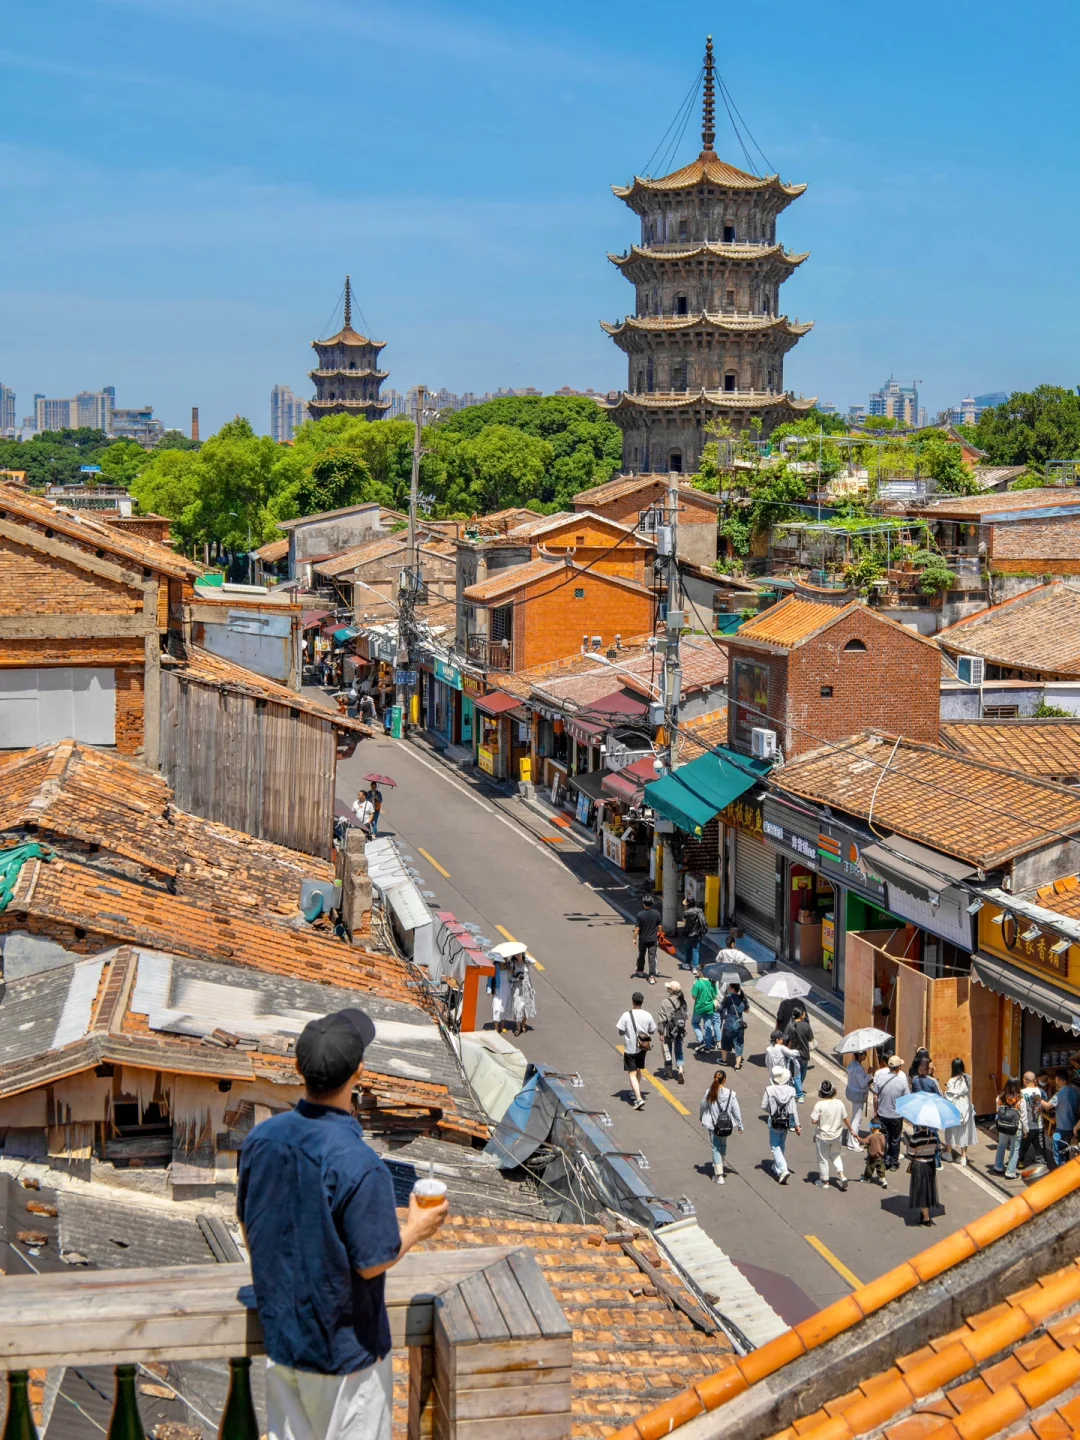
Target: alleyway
x: 489, y: 869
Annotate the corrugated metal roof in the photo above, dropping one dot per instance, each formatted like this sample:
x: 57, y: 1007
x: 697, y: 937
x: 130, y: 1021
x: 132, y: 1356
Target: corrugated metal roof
x: 712, y: 1273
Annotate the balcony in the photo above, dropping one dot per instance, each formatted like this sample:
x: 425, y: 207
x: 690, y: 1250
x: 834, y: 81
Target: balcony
x: 489, y: 1349
x: 493, y: 654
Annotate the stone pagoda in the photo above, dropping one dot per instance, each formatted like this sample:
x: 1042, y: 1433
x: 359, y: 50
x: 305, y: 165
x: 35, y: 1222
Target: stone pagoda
x: 347, y: 377
x: 707, y: 340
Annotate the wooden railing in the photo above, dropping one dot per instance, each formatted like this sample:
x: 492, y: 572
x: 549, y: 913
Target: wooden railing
x: 495, y: 654
x: 489, y: 1348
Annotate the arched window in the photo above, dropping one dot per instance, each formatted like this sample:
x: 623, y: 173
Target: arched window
x: 855, y: 645
x: 675, y: 462
x: 731, y: 382
x: 680, y: 304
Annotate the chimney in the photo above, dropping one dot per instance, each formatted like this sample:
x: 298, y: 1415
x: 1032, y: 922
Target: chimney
x: 195, y: 423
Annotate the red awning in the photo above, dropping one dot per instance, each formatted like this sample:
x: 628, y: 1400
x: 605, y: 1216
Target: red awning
x: 623, y: 786
x: 311, y: 618
x: 620, y: 703
x: 496, y: 704
x: 585, y: 732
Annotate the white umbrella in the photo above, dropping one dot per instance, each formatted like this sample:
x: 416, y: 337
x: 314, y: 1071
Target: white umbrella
x: 930, y: 1111
x: 868, y: 1038
x: 509, y: 948
x: 783, y: 985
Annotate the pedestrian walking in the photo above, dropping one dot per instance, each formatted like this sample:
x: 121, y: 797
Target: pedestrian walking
x: 671, y: 1022
x: 695, y: 928
x: 637, y: 1028
x: 1009, y: 1121
x: 703, y: 994
x: 318, y: 1211
x: 364, y: 812
x: 777, y: 1053
x: 958, y: 1138
x: 1064, y: 1104
x: 922, y: 1149
x: 857, y: 1091
x: 781, y: 1106
x: 721, y: 1116
x: 890, y: 1083
x: 800, y: 1036
x: 785, y: 1011
x: 646, y: 936
x: 1032, y: 1149
x: 731, y: 1010
x: 830, y: 1117
x: 874, y: 1144
x: 376, y: 798
x: 522, y: 993
x: 499, y: 988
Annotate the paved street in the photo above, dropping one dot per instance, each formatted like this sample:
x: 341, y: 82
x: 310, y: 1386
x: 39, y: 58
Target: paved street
x: 487, y: 868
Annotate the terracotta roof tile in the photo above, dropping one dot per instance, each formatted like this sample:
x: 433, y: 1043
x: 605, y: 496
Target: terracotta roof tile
x: 962, y: 807
x: 988, y: 505
x: 1037, y: 630
x: 624, y: 485
x: 276, y: 550
x: 202, y: 668
x: 1048, y: 749
x: 376, y: 549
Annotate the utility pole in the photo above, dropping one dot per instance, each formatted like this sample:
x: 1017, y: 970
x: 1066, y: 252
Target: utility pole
x: 410, y: 576
x: 671, y: 686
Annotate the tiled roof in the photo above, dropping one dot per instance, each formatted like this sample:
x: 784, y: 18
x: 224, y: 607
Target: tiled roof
x: 80, y: 525
x: 1036, y: 630
x: 327, y: 514
x: 203, y: 668
x: 376, y: 549
x: 125, y: 912
x: 538, y: 523
x: 961, y: 506
x: 1047, y: 749
x: 704, y: 662
x: 703, y: 665
x: 979, y: 813
x: 276, y: 550
x: 702, y: 734
x: 1011, y: 1368
x: 707, y: 169
x: 66, y: 792
x: 632, y: 1349
x: 628, y: 484
x: 561, y: 572
x: 791, y: 622
x: 990, y: 475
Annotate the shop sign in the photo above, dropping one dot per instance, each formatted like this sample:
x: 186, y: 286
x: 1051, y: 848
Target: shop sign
x: 840, y: 853
x: 777, y: 829
x: 1011, y: 937
x: 396, y: 718
x: 745, y: 814
x: 405, y: 677
x: 473, y: 685
x: 448, y: 674
x: 485, y: 758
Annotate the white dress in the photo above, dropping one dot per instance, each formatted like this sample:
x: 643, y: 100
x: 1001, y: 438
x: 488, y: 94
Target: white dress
x: 500, y: 994
x: 958, y: 1091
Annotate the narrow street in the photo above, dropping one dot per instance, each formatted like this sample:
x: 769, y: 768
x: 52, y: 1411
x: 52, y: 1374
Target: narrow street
x: 487, y: 868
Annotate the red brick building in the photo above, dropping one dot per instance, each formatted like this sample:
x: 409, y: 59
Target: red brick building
x: 632, y: 500
x: 597, y: 542
x: 814, y: 671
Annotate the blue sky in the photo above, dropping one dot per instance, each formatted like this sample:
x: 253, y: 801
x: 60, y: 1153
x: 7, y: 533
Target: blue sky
x: 183, y: 184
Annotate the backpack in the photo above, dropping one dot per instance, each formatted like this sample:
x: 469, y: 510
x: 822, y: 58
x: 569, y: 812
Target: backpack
x: 1007, y: 1120
x: 778, y: 1121
x: 722, y: 1125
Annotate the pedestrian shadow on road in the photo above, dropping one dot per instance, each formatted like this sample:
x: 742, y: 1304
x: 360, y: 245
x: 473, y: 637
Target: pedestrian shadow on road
x: 898, y: 1205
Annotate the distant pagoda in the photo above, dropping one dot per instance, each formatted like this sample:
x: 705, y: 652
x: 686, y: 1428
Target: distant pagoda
x: 707, y: 340
x: 347, y: 379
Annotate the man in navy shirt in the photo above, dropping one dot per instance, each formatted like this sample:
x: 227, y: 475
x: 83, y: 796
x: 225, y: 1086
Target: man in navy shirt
x: 317, y: 1207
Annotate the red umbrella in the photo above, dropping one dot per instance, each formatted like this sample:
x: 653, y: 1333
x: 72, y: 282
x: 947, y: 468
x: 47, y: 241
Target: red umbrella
x: 382, y: 780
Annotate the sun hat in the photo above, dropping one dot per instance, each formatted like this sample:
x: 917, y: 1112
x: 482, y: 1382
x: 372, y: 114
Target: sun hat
x: 895, y: 1063
x: 826, y: 1090
x: 779, y: 1074
x: 673, y: 985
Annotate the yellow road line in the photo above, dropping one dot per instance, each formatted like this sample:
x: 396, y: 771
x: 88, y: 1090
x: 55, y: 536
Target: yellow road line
x: 507, y: 936
x: 661, y: 1087
x: 432, y: 861
x: 830, y: 1259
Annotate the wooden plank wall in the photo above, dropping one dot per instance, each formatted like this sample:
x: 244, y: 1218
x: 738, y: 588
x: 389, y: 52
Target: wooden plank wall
x: 249, y: 764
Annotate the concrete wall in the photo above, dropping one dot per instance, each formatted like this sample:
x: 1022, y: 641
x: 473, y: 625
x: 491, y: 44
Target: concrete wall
x: 963, y: 702
x: 315, y: 539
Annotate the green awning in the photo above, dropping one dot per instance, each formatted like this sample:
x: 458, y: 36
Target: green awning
x: 347, y: 632
x: 692, y: 794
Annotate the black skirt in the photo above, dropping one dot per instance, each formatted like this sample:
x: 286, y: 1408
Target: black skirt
x: 923, y: 1192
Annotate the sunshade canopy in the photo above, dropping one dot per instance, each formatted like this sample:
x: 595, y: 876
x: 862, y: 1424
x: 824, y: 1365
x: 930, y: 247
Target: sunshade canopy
x: 497, y: 703
x: 692, y: 794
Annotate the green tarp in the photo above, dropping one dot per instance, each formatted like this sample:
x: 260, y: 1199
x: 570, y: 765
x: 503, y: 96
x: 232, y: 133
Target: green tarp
x: 692, y: 794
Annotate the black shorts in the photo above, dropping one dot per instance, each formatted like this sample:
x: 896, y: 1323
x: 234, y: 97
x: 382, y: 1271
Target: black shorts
x: 633, y: 1060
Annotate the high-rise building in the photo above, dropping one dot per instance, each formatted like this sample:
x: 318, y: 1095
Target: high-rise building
x: 137, y: 423
x: 287, y: 413
x: 90, y: 408
x: 7, y: 410
x: 896, y: 402
x: 990, y: 401
x: 347, y: 377
x: 707, y: 340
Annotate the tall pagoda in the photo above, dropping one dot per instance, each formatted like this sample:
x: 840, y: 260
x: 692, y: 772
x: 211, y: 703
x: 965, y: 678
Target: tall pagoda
x: 707, y: 340
x: 347, y: 377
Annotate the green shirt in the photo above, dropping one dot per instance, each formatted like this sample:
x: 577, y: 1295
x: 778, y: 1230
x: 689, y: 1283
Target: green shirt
x: 703, y: 994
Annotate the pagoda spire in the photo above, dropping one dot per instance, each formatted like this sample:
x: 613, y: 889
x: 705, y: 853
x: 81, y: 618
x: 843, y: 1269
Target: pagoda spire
x: 708, y: 108
x: 348, y: 303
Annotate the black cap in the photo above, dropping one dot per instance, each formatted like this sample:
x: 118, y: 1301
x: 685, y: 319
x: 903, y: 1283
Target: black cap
x: 329, y: 1050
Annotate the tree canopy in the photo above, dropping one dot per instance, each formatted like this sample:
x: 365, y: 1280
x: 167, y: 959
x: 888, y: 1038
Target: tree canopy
x: 1031, y: 428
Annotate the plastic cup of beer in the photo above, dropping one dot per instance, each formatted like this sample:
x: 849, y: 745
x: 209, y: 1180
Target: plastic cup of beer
x: 429, y: 1192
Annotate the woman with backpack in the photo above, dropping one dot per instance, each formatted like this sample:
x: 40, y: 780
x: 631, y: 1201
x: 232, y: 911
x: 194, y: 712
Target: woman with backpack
x: 782, y: 1108
x: 1009, y: 1122
x: 720, y: 1115
x: 671, y: 1022
x: 732, y: 1025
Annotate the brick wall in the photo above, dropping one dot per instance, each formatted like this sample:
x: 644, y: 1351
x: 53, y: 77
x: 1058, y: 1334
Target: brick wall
x: 701, y: 856
x: 129, y: 710
x: 550, y: 617
x: 147, y: 527
x: 892, y: 685
x: 35, y: 584
x: 1036, y: 541
x: 777, y: 705
x: 121, y: 650
x: 627, y: 508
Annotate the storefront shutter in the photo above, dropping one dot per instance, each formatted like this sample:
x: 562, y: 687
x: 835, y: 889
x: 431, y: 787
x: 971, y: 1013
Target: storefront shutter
x: 755, y: 889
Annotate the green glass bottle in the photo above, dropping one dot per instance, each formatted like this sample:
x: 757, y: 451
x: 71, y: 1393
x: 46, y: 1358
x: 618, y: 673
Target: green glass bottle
x: 238, y: 1420
x: 19, y: 1424
x: 125, y: 1423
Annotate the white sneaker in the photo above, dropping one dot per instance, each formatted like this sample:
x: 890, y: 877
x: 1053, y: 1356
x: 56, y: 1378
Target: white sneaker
x: 718, y: 1179
x: 963, y: 1160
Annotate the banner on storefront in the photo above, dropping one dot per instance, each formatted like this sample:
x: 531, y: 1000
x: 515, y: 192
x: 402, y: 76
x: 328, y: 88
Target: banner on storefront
x: 840, y: 854
x: 473, y: 685
x: 790, y: 832
x: 448, y: 674
x: 746, y: 814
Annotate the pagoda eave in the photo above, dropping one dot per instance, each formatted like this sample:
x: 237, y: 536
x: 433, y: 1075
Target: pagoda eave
x: 727, y: 325
x: 348, y: 374
x: 708, y: 249
x: 348, y: 406
x: 749, y: 400
x: 352, y: 342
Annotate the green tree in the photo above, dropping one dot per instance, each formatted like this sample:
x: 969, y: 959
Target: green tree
x: 497, y: 467
x: 943, y: 460
x: 176, y: 440
x: 1031, y: 428
x: 170, y: 485
x: 121, y: 462
x: 1043, y: 711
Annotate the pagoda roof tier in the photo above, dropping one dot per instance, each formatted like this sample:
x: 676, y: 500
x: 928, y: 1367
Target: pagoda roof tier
x: 711, y: 249
x: 714, y: 399
x: 347, y: 336
x: 707, y: 169
x: 348, y: 374
x: 358, y: 405
x: 726, y: 324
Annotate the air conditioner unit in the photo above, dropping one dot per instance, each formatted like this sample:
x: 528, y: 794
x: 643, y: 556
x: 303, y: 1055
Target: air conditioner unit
x: 763, y: 743
x: 971, y: 669
x: 597, y: 642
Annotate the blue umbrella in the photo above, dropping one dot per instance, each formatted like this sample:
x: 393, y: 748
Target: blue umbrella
x: 932, y: 1112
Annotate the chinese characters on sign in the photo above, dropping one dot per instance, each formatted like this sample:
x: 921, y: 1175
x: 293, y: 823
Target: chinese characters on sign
x: 798, y: 844
x: 745, y: 815
x: 1007, y: 940
x: 840, y: 853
